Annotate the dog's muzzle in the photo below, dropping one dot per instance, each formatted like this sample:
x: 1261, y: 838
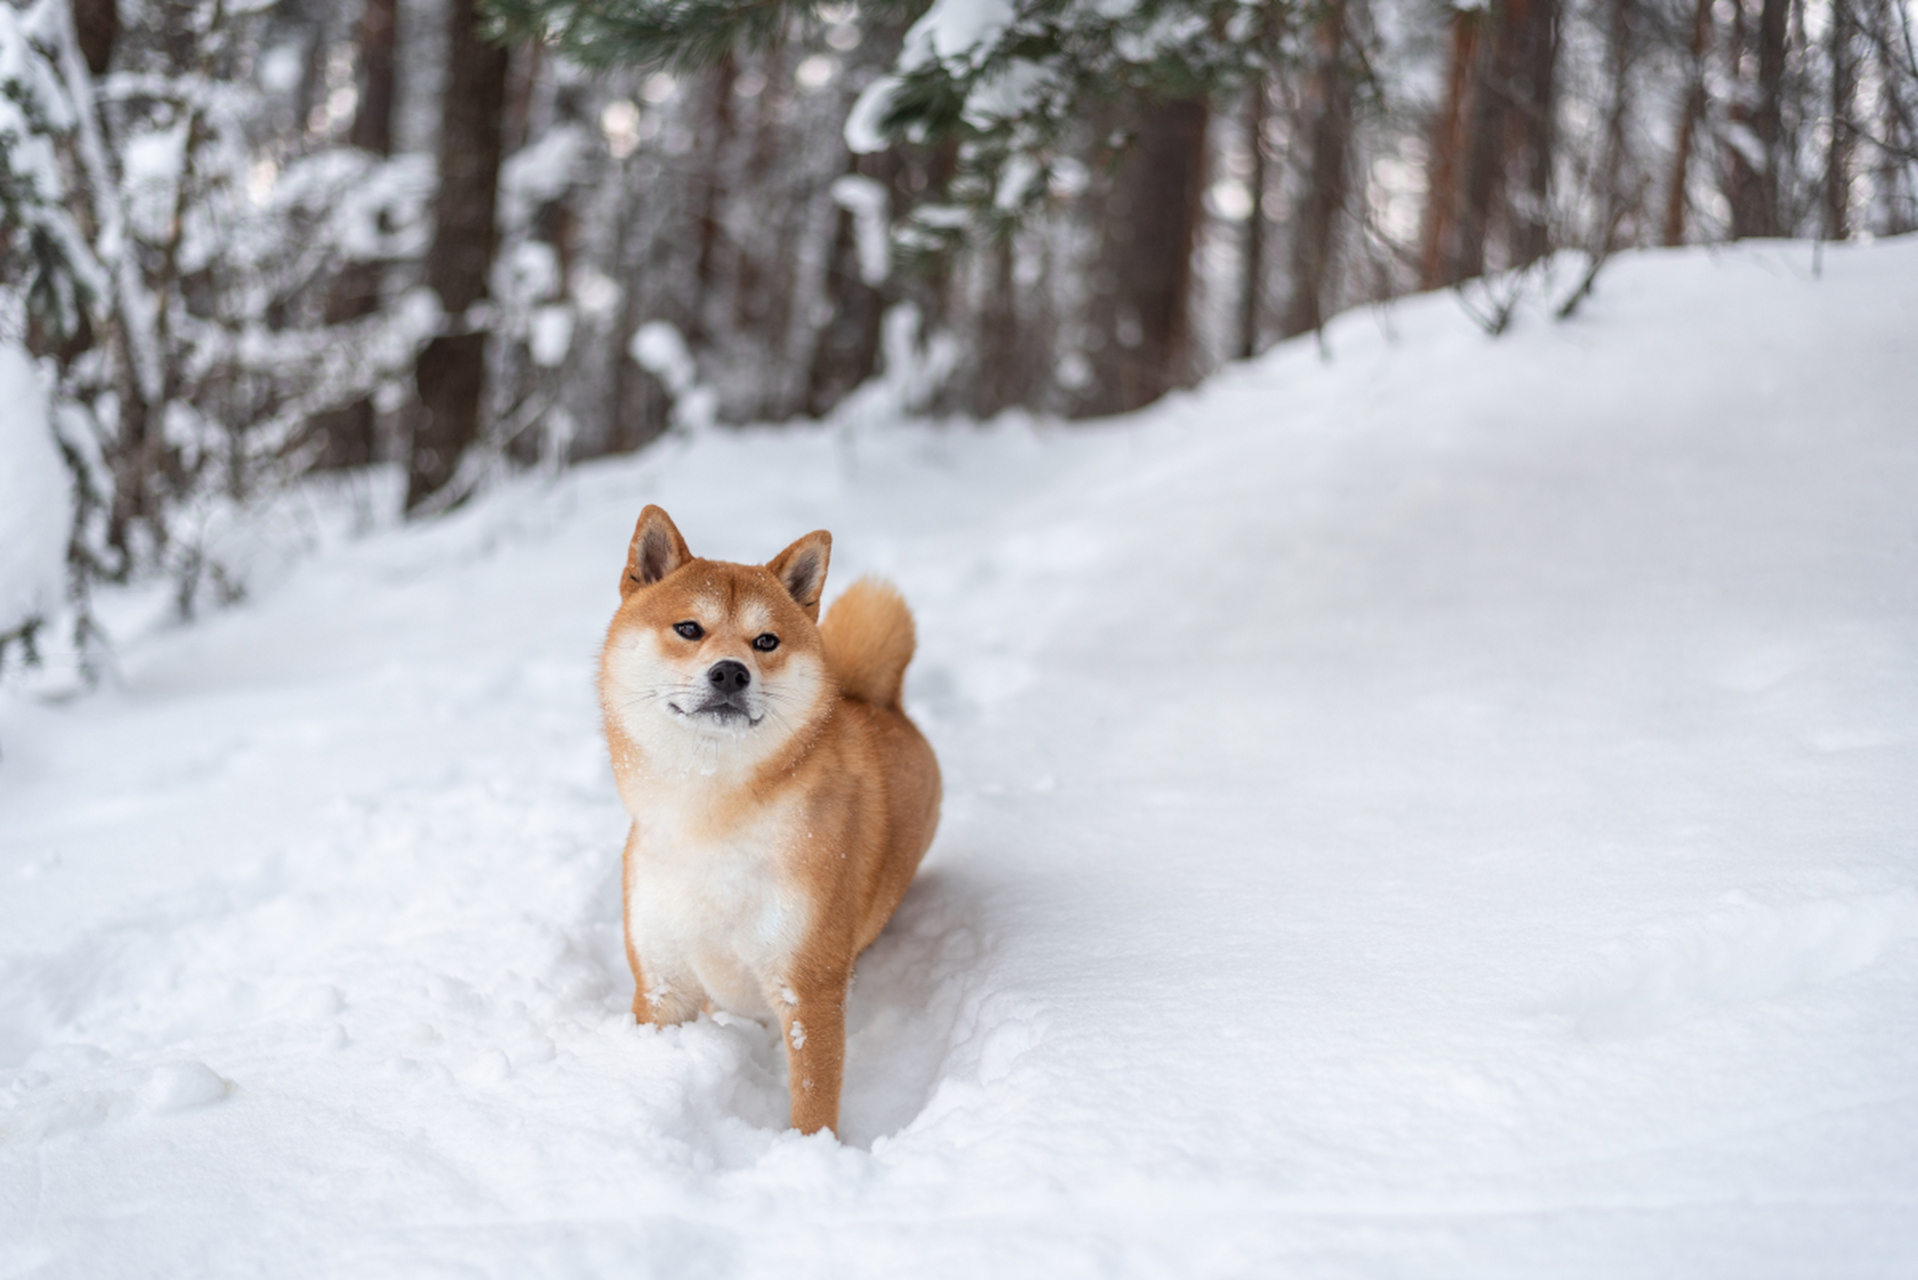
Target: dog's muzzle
x: 728, y: 682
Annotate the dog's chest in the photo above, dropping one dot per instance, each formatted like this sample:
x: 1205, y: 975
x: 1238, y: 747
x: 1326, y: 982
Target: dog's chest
x: 716, y: 909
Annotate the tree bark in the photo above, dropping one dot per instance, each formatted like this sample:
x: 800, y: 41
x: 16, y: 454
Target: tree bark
x: 847, y: 351
x: 1145, y: 260
x: 1533, y: 132
x: 1315, y: 218
x: 1753, y: 183
x: 347, y: 434
x: 1001, y: 341
x: 1769, y: 125
x: 1483, y: 189
x: 1252, y: 292
x: 1844, y: 81
x: 1890, y: 35
x: 709, y: 234
x: 1437, y: 252
x: 378, y: 35
x: 451, y: 372
x: 1691, y: 112
x: 96, y: 28
x: 1495, y: 129
x: 1621, y: 53
x: 637, y: 410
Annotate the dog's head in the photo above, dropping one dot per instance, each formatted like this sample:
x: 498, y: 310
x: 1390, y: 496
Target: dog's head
x: 709, y: 663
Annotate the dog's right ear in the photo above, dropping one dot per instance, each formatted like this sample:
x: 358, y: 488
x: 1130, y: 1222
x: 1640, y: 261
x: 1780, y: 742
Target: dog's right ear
x: 657, y: 550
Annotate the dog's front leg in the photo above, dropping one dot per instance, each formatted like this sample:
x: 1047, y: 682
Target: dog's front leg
x: 815, y: 1027
x: 658, y: 1000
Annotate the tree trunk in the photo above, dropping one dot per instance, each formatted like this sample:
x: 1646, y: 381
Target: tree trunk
x: 847, y: 350
x: 1898, y: 208
x: 1315, y: 219
x: 1769, y: 124
x: 1741, y: 173
x: 1253, y: 290
x: 1145, y: 260
x: 1690, y: 113
x: 1844, y: 81
x: 522, y: 84
x: 1495, y: 128
x: 1437, y: 253
x: 96, y: 28
x: 451, y: 372
x: 378, y: 35
x: 710, y: 243
x: 1485, y: 161
x: 1615, y: 189
x: 637, y: 410
x: 1752, y: 187
x: 346, y: 434
x: 1001, y: 341
x: 1532, y: 135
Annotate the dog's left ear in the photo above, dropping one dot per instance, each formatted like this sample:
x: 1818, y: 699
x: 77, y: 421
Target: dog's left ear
x: 656, y: 551
x: 802, y: 568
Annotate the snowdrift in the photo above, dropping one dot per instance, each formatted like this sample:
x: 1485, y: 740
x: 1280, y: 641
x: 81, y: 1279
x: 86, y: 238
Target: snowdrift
x: 1440, y: 811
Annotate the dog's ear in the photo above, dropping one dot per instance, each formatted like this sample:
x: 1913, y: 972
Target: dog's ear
x: 802, y: 568
x: 657, y: 550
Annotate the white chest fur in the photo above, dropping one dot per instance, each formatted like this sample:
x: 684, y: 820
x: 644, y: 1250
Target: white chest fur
x: 714, y: 915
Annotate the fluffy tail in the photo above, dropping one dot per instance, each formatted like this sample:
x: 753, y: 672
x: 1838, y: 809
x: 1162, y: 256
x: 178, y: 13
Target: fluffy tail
x: 869, y: 640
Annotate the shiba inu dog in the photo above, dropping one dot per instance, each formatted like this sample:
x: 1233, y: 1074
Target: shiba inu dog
x: 781, y: 800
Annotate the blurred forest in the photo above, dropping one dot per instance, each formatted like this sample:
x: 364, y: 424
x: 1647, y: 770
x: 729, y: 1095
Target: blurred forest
x: 248, y: 239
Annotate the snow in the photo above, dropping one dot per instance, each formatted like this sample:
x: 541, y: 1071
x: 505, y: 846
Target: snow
x: 955, y: 29
x: 1009, y: 93
x: 1442, y: 810
x: 658, y: 347
x: 178, y: 1086
x: 32, y: 87
x: 869, y: 204
x: 540, y: 173
x: 35, y: 513
x: 551, y: 335
x: 862, y: 132
x: 961, y: 34
x: 1020, y: 173
x: 377, y: 207
x: 154, y: 163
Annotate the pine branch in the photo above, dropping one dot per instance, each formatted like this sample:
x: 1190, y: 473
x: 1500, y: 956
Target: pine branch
x: 681, y: 35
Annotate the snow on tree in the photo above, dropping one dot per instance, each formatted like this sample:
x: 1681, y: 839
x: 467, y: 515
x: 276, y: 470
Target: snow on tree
x: 35, y: 513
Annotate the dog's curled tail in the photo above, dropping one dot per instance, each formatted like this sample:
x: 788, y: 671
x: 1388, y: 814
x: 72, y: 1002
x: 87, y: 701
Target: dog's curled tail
x: 869, y: 640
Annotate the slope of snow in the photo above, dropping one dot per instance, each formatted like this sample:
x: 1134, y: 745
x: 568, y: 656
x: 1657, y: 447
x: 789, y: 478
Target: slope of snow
x: 1444, y: 812
x: 34, y: 504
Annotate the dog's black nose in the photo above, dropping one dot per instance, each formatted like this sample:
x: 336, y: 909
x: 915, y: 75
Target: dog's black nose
x: 729, y: 676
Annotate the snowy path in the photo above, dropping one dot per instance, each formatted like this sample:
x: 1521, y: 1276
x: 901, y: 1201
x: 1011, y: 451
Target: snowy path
x: 1452, y: 811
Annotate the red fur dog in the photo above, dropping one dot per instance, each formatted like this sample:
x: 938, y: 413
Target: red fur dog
x: 781, y: 800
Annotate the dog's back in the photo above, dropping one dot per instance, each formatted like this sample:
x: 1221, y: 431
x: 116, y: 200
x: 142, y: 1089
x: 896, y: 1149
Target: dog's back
x: 869, y: 640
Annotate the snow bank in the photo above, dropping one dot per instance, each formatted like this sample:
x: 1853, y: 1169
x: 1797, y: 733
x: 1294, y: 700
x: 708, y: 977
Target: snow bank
x: 36, y: 512
x: 1443, y: 811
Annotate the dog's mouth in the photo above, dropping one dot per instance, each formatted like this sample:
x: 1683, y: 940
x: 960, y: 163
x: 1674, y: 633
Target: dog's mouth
x: 725, y: 711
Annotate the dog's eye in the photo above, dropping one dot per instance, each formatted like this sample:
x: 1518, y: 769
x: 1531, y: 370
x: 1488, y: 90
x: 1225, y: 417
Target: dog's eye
x: 766, y: 643
x: 689, y: 630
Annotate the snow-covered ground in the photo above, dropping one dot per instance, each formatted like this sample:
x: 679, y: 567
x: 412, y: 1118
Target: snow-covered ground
x: 1451, y: 811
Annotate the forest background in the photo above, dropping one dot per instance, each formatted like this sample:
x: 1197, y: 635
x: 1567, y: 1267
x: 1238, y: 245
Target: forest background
x: 245, y: 240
